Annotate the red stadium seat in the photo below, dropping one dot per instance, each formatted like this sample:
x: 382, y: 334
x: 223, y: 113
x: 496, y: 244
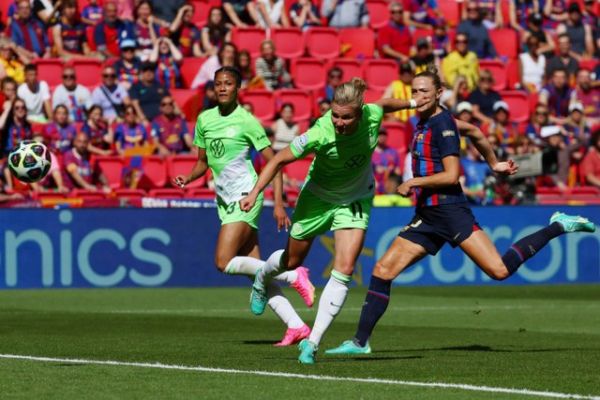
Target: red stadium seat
x: 188, y: 101
x: 189, y: 68
x: 167, y: 193
x: 322, y: 43
x: 498, y: 70
x: 301, y: 100
x: 350, y: 68
x: 450, y: 10
x: 379, y: 13
x: 298, y: 170
x: 506, y: 42
x: 89, y: 37
x: 202, y: 9
x: 112, y: 168
x: 130, y: 193
x: 182, y: 165
x: 421, y: 33
x: 87, y: 194
x: 360, y: 40
x: 308, y: 73
x: 372, y: 95
x: 201, y: 193
x: 289, y: 42
x: 588, y: 190
x: 50, y: 70
x: 398, y: 135
x: 263, y: 103
x: 47, y: 195
x: 589, y: 64
x: 380, y: 73
x: 513, y: 76
x: 88, y: 72
x: 518, y: 102
x: 154, y: 173
x: 249, y: 39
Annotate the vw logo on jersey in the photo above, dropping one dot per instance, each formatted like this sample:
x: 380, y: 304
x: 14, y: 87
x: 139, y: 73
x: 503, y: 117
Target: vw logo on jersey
x: 355, y: 161
x: 217, y: 148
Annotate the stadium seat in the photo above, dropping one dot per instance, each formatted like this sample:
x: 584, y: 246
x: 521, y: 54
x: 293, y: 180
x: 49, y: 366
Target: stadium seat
x: 89, y: 37
x: 249, y: 39
x: 202, y: 9
x: 263, y: 103
x: 518, y: 102
x: 130, y: 193
x: 450, y: 10
x: 398, y: 135
x: 301, y: 100
x: 350, y: 68
x: 506, y: 42
x: 50, y: 70
x: 588, y: 190
x: 379, y: 13
x: 201, y: 193
x: 380, y: 73
x: 87, y: 194
x: 167, y: 193
x: 498, y: 70
x: 188, y: 101
x: 421, y: 33
x: 513, y: 77
x: 89, y: 72
x: 589, y: 64
x: 372, y: 95
x: 298, y: 170
x: 154, y: 173
x: 322, y: 43
x: 182, y: 165
x: 360, y: 40
x: 112, y: 168
x: 47, y: 195
x: 189, y: 68
x: 309, y: 73
x: 289, y: 42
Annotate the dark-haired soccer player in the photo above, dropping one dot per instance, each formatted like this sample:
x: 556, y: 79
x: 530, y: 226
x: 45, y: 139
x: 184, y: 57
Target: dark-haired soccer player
x: 442, y: 214
x: 224, y: 135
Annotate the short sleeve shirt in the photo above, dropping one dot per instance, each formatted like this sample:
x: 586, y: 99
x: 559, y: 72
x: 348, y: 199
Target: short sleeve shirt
x: 227, y: 140
x: 341, y: 171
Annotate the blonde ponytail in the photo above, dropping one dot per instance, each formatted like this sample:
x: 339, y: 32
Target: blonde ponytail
x: 350, y: 93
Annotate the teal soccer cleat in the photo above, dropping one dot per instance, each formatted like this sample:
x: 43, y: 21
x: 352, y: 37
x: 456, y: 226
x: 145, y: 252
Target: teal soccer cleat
x: 307, y: 352
x: 350, y: 347
x: 573, y: 223
x: 258, y: 298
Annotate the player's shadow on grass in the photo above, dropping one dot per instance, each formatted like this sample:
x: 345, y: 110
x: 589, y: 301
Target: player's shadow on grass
x: 475, y: 348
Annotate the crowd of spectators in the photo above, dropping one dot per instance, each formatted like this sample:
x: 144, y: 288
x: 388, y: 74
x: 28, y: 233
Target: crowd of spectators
x: 143, y: 46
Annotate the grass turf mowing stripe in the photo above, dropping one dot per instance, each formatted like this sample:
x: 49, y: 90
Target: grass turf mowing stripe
x: 473, y: 388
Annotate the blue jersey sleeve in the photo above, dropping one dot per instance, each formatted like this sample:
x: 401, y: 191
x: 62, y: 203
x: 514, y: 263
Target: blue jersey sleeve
x: 446, y: 136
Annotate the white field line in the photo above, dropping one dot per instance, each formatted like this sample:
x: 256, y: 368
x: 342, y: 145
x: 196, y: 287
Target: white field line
x: 439, y: 385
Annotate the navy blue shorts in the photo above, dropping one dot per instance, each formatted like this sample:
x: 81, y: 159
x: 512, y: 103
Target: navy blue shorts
x: 432, y: 227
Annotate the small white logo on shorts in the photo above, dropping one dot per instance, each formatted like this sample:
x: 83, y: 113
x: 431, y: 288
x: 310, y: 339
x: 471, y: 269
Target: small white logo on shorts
x: 297, y: 229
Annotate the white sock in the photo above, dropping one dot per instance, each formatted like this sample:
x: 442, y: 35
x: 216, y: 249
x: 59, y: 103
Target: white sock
x: 249, y: 265
x: 330, y: 304
x: 272, y: 267
x: 282, y: 307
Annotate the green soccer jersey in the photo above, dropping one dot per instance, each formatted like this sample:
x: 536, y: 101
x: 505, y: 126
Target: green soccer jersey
x: 227, y: 140
x: 341, y: 171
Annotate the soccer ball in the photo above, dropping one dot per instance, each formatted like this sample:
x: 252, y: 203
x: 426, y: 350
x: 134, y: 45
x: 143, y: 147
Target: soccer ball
x: 29, y: 161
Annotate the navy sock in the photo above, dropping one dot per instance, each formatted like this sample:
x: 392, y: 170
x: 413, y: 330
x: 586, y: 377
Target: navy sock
x: 527, y: 247
x: 373, y: 308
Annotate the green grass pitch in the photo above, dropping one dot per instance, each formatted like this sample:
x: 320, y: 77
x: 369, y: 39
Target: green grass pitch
x: 536, y: 338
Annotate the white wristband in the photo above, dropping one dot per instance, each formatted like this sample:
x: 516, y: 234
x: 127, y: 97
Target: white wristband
x: 413, y: 104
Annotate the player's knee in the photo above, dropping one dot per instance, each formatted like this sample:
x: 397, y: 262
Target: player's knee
x: 498, y: 272
x: 221, y: 262
x: 383, y: 272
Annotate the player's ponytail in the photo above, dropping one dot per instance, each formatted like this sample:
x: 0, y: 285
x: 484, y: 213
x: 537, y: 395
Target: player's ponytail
x: 350, y: 93
x: 432, y: 73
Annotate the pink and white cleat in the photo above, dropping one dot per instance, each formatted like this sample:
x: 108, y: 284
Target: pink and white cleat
x: 305, y: 289
x: 293, y: 336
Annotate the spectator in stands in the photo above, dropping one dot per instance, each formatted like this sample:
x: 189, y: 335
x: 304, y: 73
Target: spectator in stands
x: 240, y: 13
x: 477, y: 33
x: 69, y: 34
x: 284, y: 128
x: 424, y: 56
x: 111, y: 31
x: 590, y: 167
x: 130, y: 133
x: 345, y: 13
x: 557, y: 94
x: 334, y: 79
x: 110, y: 95
x: 271, y: 14
x: 12, y: 61
x: 324, y: 106
x: 147, y: 94
x: 78, y: 171
x: 491, y: 13
x: 128, y: 65
x: 501, y: 127
x: 146, y: 30
x: 305, y: 14
x: 91, y: 13
x: 75, y: 97
x: 185, y: 34
x: 8, y: 91
x: 54, y: 180
x: 590, y: 17
x: 226, y: 57
x: 46, y: 11
x: 577, y: 133
x: 385, y: 161
x: 580, y: 35
x: 566, y: 59
x: 534, y: 28
x: 167, y: 10
x: 440, y: 39
x: 539, y: 119
x: 554, y: 141
x: 271, y: 68
x: 401, y: 89
x: 14, y: 125
x: 473, y: 178
x: 170, y: 131
x: 395, y: 40
x: 420, y: 13
x: 167, y: 58
x: 244, y: 62
x: 461, y: 62
x: 588, y: 95
x: 215, y: 33
x: 36, y: 95
x: 555, y: 12
x: 464, y: 112
x: 520, y: 13
x: 483, y: 98
x: 60, y: 133
x: 532, y: 66
x: 210, y: 97
x: 29, y: 33
x: 98, y: 131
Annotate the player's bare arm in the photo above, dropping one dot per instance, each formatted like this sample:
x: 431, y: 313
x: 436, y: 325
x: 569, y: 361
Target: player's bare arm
x: 392, y: 105
x: 198, y: 170
x: 279, y: 213
x: 449, y: 176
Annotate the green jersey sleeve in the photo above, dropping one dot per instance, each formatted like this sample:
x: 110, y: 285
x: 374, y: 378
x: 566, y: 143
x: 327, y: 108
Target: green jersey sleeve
x: 199, y: 134
x: 310, y: 141
x: 256, y: 134
x: 375, y: 113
